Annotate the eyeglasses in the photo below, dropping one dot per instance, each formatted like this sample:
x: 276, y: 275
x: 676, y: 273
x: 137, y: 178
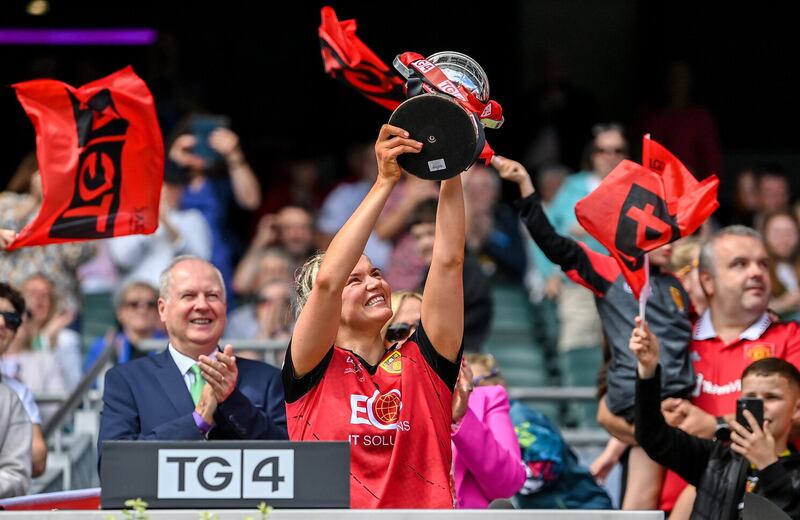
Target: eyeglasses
x: 140, y: 304
x: 12, y: 320
x: 398, y: 331
x: 611, y: 151
x: 261, y: 300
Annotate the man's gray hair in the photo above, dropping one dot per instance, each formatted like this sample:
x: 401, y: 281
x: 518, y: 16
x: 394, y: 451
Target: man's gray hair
x: 165, y: 279
x: 706, y: 259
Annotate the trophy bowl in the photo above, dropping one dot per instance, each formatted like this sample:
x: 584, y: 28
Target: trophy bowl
x: 463, y: 70
x: 452, y: 136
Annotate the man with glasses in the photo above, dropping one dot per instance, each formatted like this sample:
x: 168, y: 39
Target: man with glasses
x: 137, y: 314
x: 15, y: 430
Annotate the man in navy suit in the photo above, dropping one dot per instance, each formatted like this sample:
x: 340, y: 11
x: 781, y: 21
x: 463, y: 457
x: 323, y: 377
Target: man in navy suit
x: 166, y: 397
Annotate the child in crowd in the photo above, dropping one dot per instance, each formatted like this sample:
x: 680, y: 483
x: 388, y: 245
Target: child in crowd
x: 757, y: 459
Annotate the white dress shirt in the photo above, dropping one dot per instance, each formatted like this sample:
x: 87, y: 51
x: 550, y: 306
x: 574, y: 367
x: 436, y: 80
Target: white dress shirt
x: 185, y: 363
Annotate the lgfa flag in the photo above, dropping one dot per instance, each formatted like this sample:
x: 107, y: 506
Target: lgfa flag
x: 101, y: 158
x: 637, y: 209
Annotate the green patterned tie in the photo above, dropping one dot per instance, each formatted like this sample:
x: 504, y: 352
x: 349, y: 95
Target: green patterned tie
x: 197, y: 385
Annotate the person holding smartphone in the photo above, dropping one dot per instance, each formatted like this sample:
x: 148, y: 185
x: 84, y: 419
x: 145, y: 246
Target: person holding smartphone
x: 756, y: 460
x: 205, y: 145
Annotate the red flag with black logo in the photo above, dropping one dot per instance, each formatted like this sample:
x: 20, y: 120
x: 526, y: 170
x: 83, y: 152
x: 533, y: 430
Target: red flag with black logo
x: 347, y: 58
x: 636, y: 209
x: 101, y: 158
x: 685, y: 195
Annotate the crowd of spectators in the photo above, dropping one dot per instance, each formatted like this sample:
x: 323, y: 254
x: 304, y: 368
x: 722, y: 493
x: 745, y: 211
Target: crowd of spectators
x: 724, y: 292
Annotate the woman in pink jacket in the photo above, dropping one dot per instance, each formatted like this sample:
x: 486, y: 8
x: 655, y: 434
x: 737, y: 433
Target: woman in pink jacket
x: 487, y: 462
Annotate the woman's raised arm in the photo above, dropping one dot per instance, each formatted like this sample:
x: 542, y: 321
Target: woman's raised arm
x: 443, y: 297
x: 316, y: 327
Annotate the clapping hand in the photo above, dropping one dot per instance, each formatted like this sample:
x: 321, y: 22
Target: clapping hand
x: 220, y: 373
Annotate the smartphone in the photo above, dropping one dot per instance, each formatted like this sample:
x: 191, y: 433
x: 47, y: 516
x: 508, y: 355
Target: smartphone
x: 201, y: 126
x: 756, y: 407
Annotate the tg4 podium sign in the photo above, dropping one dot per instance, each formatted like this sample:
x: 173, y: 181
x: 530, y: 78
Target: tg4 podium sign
x: 226, y: 474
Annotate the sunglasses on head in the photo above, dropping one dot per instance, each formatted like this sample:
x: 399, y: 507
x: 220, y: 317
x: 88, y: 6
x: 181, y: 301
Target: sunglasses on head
x: 12, y: 320
x: 398, y: 331
x: 480, y: 379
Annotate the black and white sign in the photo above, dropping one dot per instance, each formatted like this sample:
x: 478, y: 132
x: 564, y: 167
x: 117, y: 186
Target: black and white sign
x: 261, y: 474
x: 226, y: 474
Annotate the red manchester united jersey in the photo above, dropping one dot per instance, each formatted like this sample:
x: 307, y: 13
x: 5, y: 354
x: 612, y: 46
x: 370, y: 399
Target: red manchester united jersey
x: 718, y: 367
x: 396, y: 417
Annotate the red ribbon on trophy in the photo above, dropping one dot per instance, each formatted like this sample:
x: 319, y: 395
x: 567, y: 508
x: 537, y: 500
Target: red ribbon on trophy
x: 348, y: 59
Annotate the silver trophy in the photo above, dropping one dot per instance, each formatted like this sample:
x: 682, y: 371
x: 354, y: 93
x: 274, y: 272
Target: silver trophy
x: 439, y: 115
x: 463, y: 70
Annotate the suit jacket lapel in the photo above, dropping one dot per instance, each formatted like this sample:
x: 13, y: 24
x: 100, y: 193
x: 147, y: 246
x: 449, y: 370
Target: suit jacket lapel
x: 171, y: 381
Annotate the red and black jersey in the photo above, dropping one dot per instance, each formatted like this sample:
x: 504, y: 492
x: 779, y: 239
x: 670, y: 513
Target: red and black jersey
x: 719, y: 366
x: 396, y: 416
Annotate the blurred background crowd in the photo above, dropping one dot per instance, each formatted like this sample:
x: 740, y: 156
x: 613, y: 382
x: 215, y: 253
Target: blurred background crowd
x: 267, y: 158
